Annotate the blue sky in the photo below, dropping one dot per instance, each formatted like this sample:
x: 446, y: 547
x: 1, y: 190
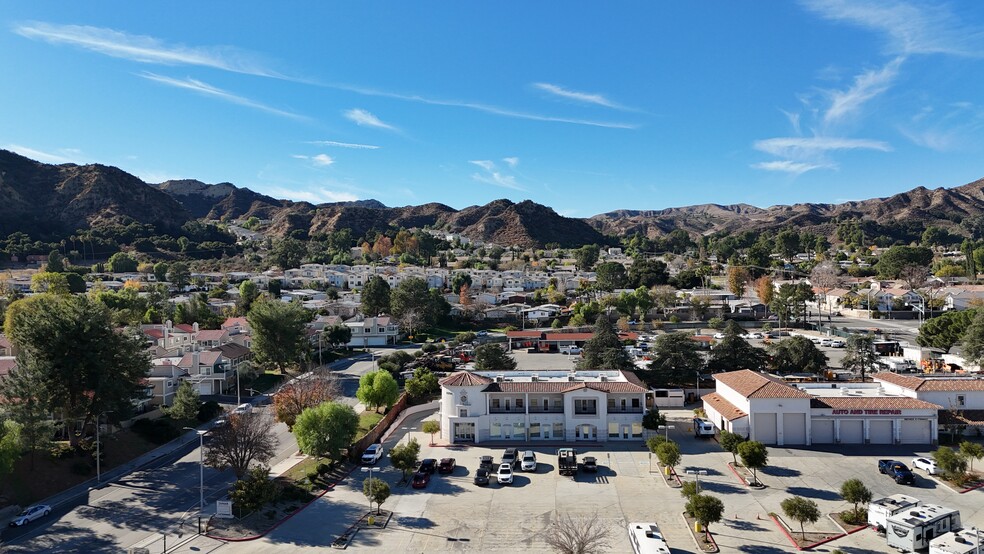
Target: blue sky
x: 584, y: 107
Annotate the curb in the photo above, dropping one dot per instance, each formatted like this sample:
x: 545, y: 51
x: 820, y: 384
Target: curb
x: 841, y: 527
x: 693, y: 535
x: 740, y: 478
x: 328, y: 488
x: 785, y: 531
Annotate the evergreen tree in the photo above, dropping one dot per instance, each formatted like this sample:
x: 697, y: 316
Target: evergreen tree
x: 604, y: 350
x: 187, y: 401
x: 733, y: 352
x: 375, y: 297
x: 23, y: 396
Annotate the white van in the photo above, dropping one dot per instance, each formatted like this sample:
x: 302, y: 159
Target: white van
x: 703, y: 428
x: 243, y: 409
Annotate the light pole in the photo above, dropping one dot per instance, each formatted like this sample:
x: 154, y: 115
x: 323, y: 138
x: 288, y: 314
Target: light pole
x: 239, y: 399
x: 667, y: 429
x: 201, y: 468
x: 99, y: 447
x: 407, y: 432
x: 369, y: 470
x: 697, y: 473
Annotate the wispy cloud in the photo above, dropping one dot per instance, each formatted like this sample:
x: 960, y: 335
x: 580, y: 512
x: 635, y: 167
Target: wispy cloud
x: 582, y: 97
x: 948, y: 128
x: 909, y: 28
x: 867, y: 85
x: 146, y: 49
x: 62, y: 156
x: 492, y: 176
x: 314, y: 196
x: 511, y: 161
x: 487, y: 108
x: 799, y: 147
x: 366, y: 119
x: 344, y: 144
x: 215, y: 92
x: 789, y: 166
x: 320, y: 160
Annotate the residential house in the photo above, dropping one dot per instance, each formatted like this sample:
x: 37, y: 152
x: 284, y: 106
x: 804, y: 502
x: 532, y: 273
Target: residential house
x: 373, y: 331
x: 208, y: 371
x: 165, y: 378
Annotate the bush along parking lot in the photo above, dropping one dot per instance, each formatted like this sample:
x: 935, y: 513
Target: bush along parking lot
x: 956, y: 466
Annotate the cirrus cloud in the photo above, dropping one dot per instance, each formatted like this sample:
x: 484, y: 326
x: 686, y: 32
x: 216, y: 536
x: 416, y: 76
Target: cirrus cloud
x: 366, y: 118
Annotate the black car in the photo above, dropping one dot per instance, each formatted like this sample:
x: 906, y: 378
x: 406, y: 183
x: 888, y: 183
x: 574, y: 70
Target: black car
x: 589, y: 464
x: 427, y: 465
x: 482, y: 476
x: 487, y: 463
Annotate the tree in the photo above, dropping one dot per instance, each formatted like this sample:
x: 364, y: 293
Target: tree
x: 376, y: 490
x: 797, y: 354
x: 914, y: 275
x: 492, y: 357
x: 825, y: 276
x: 23, y: 398
x: 121, y: 262
x: 413, y: 296
x: 861, y: 354
x: 10, y: 447
x: 82, y: 364
x: 946, y: 330
x: 279, y: 339
x: 706, y: 509
x: 404, y: 456
x: 248, y: 293
x: 586, y: 256
x: 375, y: 297
x: 301, y: 394
x: 653, y: 420
x: 647, y: 273
x: 252, y: 491
x: 378, y: 388
x: 460, y: 280
x: 668, y: 454
x: 160, y: 271
x: 431, y: 427
x: 951, y: 462
x: 973, y: 339
x: 738, y: 279
x: 765, y: 289
x: 891, y: 261
x: 187, y: 401
x: 179, y: 274
x: 76, y: 283
x: 802, y: 510
x: 688, y: 489
x: 611, y: 276
x: 604, y: 350
x: 325, y: 430
x: 337, y: 335
x: 854, y: 491
x: 729, y: 442
x: 579, y: 535
x: 733, y: 352
x: 288, y: 253
x: 54, y: 283
x: 753, y: 456
x: 676, y: 359
x: 244, y: 439
x: 971, y: 451
x: 56, y: 262
x: 423, y: 384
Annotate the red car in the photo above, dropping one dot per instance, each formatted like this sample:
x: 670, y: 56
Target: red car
x: 446, y: 465
x: 420, y: 479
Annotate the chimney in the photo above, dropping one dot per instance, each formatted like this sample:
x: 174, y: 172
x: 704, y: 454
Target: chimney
x: 195, y: 365
x: 195, y: 327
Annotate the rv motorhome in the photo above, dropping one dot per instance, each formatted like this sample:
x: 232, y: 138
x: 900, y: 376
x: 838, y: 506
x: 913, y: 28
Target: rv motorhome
x: 957, y: 542
x: 912, y: 530
x: 880, y: 510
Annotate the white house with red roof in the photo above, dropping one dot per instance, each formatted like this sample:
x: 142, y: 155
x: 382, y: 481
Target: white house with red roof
x: 542, y: 406
x: 373, y: 331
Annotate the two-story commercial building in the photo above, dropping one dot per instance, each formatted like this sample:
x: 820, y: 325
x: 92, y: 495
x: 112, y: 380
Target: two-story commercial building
x: 531, y: 406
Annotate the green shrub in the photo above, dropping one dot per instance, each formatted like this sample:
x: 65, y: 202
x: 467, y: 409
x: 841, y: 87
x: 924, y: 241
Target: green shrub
x: 62, y: 450
x: 208, y: 410
x: 81, y: 468
x: 254, y: 491
x: 313, y: 475
x: 324, y: 468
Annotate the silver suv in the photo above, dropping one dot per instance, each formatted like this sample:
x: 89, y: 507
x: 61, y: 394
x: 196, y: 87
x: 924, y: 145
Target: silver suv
x: 528, y: 461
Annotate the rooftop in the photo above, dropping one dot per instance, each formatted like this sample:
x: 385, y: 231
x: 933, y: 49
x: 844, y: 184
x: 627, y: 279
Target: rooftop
x: 550, y: 381
x: 933, y: 383
x: 751, y: 384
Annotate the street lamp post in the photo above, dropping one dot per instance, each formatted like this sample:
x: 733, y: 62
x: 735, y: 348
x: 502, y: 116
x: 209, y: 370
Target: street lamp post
x: 239, y: 391
x: 667, y: 429
x: 201, y: 468
x: 369, y: 470
x: 407, y: 432
x: 99, y: 447
x: 697, y: 473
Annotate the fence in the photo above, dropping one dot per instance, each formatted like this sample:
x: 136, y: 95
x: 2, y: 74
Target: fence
x: 359, y: 446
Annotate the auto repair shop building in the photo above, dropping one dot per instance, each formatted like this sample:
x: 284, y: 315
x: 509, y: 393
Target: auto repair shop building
x: 767, y: 409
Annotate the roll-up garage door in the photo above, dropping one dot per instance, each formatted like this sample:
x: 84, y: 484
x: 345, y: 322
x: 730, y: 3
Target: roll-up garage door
x: 916, y: 431
x: 205, y: 387
x: 880, y: 431
x: 851, y: 431
x: 823, y: 431
x: 764, y: 428
x: 793, y: 429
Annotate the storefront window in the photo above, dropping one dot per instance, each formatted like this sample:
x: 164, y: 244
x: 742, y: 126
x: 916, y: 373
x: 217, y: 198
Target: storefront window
x: 637, y: 430
x: 534, y: 430
x: 558, y: 430
x: 495, y: 430
x: 612, y: 430
x: 519, y: 431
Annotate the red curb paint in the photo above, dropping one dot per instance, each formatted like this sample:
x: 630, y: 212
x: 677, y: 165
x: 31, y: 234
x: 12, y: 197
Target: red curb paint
x: 974, y: 488
x: 785, y: 532
x: 740, y: 478
x: 824, y: 541
x: 328, y: 488
x: 855, y: 530
x: 675, y: 476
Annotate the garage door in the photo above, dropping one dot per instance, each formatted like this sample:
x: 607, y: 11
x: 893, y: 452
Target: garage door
x: 205, y: 387
x: 916, y: 431
x: 764, y: 428
x: 823, y: 431
x: 793, y: 429
x: 851, y: 431
x: 880, y: 431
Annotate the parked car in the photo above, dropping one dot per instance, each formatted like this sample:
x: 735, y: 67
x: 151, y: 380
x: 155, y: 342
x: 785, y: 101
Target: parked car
x: 372, y: 454
x: 487, y: 463
x: 753, y: 336
x: 482, y: 333
x: 896, y: 470
x: 427, y: 465
x: 510, y: 456
x: 420, y: 479
x: 926, y: 464
x: 504, y: 475
x: 446, y: 465
x: 529, y: 461
x: 837, y: 344
x: 589, y: 464
x: 570, y: 350
x: 826, y: 342
x: 243, y: 409
x: 719, y: 336
x: 482, y: 476
x: 30, y: 514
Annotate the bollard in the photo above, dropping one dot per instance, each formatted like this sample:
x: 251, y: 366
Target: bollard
x: 697, y: 527
x: 667, y: 469
x: 372, y: 520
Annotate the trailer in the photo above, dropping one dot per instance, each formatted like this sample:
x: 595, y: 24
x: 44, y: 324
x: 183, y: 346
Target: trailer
x: 914, y: 529
x: 957, y: 542
x: 880, y: 510
x: 567, y: 461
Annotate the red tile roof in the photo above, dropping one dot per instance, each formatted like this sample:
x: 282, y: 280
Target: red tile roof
x: 184, y: 328
x: 464, y: 379
x: 560, y: 387
x: 872, y: 403
x: 758, y: 385
x: 207, y: 358
x: 945, y: 384
x: 727, y: 410
x: 568, y: 336
x: 210, y: 334
x: 524, y: 334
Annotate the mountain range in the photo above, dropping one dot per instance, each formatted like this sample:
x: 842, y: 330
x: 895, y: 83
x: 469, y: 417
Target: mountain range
x: 45, y: 201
